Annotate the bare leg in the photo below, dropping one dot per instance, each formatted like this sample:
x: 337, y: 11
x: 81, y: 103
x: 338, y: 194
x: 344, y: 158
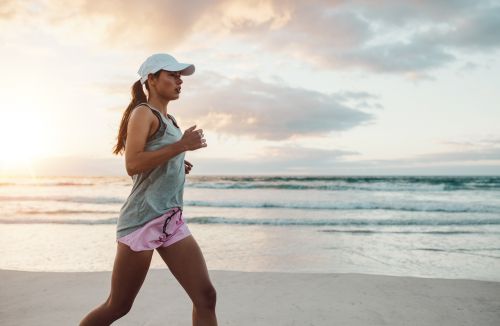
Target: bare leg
x: 129, y: 271
x: 185, y: 260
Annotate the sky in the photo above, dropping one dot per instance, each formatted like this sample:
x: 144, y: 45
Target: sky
x: 281, y: 87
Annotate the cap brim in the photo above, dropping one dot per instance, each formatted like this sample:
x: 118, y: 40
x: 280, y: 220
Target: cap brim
x: 186, y: 69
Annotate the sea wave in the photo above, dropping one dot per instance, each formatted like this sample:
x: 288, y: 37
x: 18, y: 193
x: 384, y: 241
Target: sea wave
x: 328, y: 183
x: 345, y: 222
x: 64, y: 182
x: 283, y: 221
x: 410, y: 206
x: 361, y: 231
x: 23, y: 220
x: 73, y: 199
x: 396, y: 183
x: 63, y: 212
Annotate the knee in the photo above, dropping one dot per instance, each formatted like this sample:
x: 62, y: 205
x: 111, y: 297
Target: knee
x: 119, y: 309
x: 207, y: 299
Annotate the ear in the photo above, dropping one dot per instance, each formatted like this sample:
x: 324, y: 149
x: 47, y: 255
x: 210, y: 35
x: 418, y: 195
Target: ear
x: 151, y: 79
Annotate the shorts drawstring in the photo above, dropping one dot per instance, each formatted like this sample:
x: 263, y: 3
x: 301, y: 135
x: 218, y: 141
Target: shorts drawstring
x: 164, y: 230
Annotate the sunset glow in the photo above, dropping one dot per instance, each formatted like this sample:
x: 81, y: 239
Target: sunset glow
x: 23, y: 140
x: 363, y: 87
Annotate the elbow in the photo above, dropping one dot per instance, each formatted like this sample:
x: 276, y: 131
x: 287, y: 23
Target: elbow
x: 131, y: 170
x: 133, y: 164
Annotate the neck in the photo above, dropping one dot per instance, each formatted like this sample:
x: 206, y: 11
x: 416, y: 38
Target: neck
x: 159, y: 103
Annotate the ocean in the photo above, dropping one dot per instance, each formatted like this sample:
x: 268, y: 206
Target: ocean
x: 423, y: 226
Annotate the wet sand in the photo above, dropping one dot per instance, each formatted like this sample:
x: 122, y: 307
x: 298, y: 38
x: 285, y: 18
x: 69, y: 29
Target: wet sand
x: 49, y: 298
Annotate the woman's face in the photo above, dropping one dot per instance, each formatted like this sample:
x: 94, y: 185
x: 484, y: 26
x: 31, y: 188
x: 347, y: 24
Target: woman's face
x: 168, y: 84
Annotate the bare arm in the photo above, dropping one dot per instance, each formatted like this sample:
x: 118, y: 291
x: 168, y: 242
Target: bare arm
x: 137, y: 160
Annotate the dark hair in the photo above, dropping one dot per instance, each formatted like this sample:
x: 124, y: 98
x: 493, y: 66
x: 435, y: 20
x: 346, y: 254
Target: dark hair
x: 138, y: 97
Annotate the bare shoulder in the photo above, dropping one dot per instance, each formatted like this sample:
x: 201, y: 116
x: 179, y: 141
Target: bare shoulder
x: 142, y: 112
x: 141, y: 122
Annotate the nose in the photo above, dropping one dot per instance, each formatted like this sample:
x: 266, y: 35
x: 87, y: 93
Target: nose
x: 179, y: 80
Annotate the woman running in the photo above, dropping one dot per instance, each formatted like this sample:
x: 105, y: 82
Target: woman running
x: 151, y: 217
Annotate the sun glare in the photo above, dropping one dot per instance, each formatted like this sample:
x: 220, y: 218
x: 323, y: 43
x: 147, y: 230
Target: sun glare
x: 22, y: 141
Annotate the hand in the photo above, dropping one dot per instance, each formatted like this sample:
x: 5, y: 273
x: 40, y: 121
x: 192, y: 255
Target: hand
x: 193, y: 139
x: 187, y: 166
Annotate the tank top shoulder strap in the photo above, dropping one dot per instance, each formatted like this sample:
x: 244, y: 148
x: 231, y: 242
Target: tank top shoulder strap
x: 155, y: 111
x: 173, y: 120
x: 160, y: 115
x: 163, y: 124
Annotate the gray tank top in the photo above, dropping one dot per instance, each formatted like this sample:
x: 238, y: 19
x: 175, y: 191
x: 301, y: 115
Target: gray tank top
x: 155, y: 191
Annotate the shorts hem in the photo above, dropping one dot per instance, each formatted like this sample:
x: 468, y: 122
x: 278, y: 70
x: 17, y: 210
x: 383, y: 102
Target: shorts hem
x: 181, y: 233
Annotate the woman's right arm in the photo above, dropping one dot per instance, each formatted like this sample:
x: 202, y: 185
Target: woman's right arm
x: 139, y: 126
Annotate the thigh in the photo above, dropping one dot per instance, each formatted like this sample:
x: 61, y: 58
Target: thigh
x: 129, y: 271
x: 185, y: 260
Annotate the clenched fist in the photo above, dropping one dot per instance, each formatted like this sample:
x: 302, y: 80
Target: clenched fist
x: 193, y: 139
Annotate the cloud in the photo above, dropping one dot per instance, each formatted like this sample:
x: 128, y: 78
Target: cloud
x: 471, y: 142
x: 462, y: 156
x: 483, y: 160
x: 405, y: 13
x: 410, y: 37
x: 7, y: 9
x: 397, y: 57
x: 152, y: 24
x: 262, y: 110
x: 485, y: 156
x: 477, y: 31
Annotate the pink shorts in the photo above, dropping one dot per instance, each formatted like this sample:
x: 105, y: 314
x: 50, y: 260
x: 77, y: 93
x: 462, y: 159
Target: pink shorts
x: 159, y: 232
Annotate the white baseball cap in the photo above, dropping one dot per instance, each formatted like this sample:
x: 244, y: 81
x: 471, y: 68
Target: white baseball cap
x: 163, y: 61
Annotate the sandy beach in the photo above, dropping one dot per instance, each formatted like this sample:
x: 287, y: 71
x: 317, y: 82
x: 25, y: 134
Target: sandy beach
x: 42, y: 298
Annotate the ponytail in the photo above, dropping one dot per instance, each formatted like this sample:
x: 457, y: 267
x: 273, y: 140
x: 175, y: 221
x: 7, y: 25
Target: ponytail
x: 138, y: 97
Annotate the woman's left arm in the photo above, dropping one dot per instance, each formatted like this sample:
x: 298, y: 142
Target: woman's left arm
x: 187, y: 166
